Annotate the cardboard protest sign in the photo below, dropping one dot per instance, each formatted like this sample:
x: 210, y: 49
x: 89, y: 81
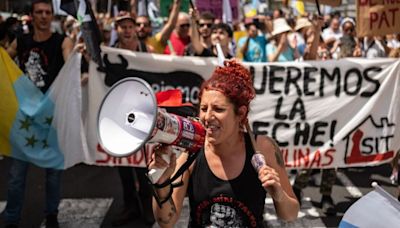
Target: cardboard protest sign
x: 327, y: 2
x: 378, y: 17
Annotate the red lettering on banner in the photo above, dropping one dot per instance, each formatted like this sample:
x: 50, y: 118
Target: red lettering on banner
x: 102, y: 151
x: 285, y: 153
x: 384, y: 18
x: 329, y: 155
x: 135, y: 159
x: 303, y: 158
x: 316, y: 159
x: 373, y: 17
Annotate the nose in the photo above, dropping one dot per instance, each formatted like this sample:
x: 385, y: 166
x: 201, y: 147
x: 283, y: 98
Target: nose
x: 208, y: 115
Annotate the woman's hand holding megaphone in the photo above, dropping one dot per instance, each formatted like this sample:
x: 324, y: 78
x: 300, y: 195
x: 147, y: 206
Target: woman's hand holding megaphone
x: 163, y: 158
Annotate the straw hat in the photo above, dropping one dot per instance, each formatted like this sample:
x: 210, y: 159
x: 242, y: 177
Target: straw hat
x: 280, y: 26
x: 302, y: 23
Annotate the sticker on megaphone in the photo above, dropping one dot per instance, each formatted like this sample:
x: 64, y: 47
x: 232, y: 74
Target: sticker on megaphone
x: 179, y: 131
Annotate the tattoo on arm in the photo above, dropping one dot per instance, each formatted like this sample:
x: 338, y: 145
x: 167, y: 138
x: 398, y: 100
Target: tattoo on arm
x: 170, y: 215
x: 278, y: 155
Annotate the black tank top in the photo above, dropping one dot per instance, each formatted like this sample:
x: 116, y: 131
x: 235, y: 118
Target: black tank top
x: 218, y: 203
x: 41, y: 61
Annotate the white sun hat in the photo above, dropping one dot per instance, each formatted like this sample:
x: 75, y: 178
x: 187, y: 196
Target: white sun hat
x: 302, y: 23
x: 280, y: 26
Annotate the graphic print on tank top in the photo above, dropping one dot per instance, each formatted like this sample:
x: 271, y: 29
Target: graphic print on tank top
x: 35, y: 65
x: 224, y: 211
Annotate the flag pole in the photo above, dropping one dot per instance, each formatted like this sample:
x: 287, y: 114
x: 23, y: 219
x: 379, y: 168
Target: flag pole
x: 93, y: 42
x: 319, y: 11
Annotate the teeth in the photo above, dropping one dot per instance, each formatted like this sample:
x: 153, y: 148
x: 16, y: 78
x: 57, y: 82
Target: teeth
x: 212, y: 127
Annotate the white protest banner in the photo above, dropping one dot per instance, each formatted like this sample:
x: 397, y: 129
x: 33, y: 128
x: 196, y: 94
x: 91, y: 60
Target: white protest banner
x: 323, y: 114
x: 378, y: 17
x: 329, y: 113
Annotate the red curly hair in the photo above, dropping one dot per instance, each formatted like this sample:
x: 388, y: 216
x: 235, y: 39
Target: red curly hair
x: 234, y: 81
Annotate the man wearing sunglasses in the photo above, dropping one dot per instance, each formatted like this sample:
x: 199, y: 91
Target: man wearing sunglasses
x: 180, y: 36
x: 221, y: 34
x: 158, y: 41
x: 204, y: 25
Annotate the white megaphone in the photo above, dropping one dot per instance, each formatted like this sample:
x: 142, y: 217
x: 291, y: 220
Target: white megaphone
x: 129, y: 117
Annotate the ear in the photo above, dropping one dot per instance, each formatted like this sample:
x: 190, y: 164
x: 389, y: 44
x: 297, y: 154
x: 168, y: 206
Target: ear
x: 242, y: 113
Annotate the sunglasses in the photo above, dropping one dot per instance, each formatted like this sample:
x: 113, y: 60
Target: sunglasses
x: 138, y: 24
x: 324, y: 53
x: 208, y: 25
x: 184, y: 25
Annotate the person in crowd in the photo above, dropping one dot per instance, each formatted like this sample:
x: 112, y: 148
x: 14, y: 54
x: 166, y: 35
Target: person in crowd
x: 106, y: 29
x: 374, y: 47
x: 323, y: 52
x: 137, y: 203
x: 393, y: 40
x: 327, y: 21
x: 333, y: 33
x: 180, y: 37
x: 40, y: 54
x: 347, y: 45
x: 252, y: 47
x: 26, y: 23
x: 10, y: 29
x: 71, y: 28
x: 279, y: 49
x: 160, y: 40
x: 221, y: 34
x: 204, y: 25
x: 311, y: 34
x: 127, y: 37
x: 277, y: 13
x: 302, y: 31
x: 223, y: 187
x: 328, y: 179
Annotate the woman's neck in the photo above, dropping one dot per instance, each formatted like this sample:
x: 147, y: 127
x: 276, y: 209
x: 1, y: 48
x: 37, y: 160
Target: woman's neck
x: 228, y: 148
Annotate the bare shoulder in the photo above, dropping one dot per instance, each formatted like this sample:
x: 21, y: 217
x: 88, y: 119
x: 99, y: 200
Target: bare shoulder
x: 270, y: 149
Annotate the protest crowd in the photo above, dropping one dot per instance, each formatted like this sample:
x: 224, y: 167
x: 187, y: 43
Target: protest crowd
x: 269, y: 35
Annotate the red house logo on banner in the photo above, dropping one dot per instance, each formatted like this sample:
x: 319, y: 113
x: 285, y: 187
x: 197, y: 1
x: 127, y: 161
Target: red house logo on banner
x: 369, y: 142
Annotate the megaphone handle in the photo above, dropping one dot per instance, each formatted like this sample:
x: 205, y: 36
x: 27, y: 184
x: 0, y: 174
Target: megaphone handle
x: 155, y: 174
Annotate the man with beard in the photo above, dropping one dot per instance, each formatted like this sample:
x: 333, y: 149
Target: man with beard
x: 160, y: 40
x: 180, y: 36
x: 221, y: 34
x: 204, y: 25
